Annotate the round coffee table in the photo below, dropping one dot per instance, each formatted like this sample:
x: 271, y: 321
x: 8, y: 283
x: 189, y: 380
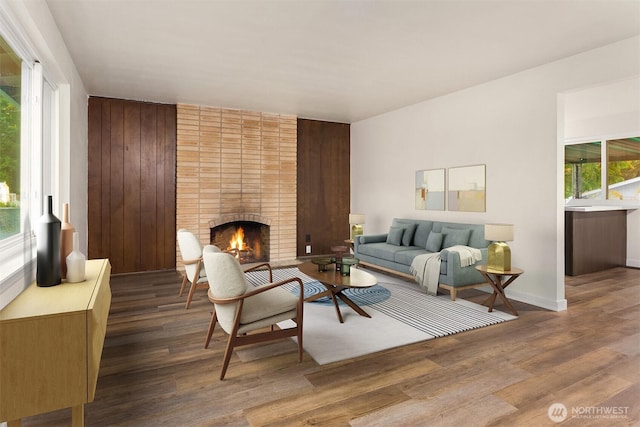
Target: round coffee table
x: 335, y: 283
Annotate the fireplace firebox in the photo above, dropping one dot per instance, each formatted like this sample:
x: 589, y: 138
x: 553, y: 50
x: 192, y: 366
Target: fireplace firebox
x: 248, y: 241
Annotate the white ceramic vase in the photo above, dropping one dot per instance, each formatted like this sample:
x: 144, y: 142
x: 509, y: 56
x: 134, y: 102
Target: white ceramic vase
x: 66, y: 239
x: 75, y: 262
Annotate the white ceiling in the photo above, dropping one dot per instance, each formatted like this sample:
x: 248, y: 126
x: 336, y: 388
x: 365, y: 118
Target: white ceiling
x: 328, y: 60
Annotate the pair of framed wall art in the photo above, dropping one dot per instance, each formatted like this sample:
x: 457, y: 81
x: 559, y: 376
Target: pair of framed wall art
x: 462, y: 189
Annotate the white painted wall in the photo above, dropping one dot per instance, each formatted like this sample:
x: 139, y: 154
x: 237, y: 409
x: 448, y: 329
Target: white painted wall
x: 633, y: 238
x: 606, y: 110
x: 514, y: 125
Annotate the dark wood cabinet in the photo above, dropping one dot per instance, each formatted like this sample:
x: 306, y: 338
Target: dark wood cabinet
x: 594, y: 241
x: 324, y: 193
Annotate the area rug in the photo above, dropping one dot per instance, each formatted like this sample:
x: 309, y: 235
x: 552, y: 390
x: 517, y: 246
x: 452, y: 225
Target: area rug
x: 401, y: 313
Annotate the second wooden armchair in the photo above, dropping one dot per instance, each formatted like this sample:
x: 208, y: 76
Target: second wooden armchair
x: 241, y: 308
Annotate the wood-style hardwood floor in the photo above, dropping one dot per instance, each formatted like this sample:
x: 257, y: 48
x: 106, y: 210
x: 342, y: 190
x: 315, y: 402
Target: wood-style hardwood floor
x: 155, y: 370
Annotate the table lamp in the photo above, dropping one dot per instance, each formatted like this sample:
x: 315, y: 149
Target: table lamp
x: 498, y: 253
x: 356, y: 221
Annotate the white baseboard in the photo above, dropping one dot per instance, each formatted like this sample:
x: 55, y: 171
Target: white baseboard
x: 633, y: 263
x: 552, y: 305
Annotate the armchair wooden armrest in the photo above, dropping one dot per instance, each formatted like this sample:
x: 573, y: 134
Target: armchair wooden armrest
x: 191, y: 261
x: 259, y: 266
x: 256, y: 291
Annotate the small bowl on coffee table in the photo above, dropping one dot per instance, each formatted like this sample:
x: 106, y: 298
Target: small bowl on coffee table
x: 322, y: 263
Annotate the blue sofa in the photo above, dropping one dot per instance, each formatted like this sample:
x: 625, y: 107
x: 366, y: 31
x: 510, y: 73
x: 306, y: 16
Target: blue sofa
x: 407, y: 238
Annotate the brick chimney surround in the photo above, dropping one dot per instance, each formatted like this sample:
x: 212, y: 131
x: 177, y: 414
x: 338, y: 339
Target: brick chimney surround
x: 237, y: 164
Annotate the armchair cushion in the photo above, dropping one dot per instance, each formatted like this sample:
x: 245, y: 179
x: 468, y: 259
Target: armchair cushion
x: 267, y: 304
x: 227, y: 280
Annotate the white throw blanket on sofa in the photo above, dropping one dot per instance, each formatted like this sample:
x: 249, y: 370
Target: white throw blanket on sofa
x: 468, y: 255
x: 426, y: 267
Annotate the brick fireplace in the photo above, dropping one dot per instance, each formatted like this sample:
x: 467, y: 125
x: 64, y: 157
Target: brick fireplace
x: 237, y: 164
x: 245, y: 236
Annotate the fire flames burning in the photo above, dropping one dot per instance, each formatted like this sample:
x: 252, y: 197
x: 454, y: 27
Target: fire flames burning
x: 242, y: 243
x: 237, y: 240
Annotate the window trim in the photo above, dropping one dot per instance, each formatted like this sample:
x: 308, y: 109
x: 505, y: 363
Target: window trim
x: 18, y: 252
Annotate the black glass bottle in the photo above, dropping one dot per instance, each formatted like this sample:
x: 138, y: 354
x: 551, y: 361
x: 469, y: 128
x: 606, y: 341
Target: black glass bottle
x: 48, y: 244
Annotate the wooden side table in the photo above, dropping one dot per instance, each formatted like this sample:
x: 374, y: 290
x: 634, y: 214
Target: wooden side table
x: 349, y: 243
x: 496, y: 279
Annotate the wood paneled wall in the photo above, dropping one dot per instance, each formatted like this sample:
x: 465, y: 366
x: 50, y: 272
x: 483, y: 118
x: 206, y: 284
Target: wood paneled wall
x: 323, y: 185
x: 132, y: 188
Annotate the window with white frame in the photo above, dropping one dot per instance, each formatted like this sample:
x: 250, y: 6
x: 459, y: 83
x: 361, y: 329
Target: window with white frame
x: 28, y: 105
x: 10, y: 130
x: 607, y: 169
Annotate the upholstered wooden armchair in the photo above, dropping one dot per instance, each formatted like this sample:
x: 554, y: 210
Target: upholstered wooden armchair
x: 194, y: 270
x: 241, y: 308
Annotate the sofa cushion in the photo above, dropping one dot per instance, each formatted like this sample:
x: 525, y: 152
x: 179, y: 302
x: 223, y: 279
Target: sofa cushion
x: 422, y: 233
x: 455, y: 236
x: 406, y: 256
x: 381, y: 250
x: 434, y: 242
x: 395, y: 236
x: 373, y: 238
x: 476, y: 236
x: 407, y: 236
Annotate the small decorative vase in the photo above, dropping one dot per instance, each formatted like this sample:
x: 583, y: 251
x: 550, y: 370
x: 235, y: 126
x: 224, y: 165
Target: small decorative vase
x: 75, y: 262
x: 346, y: 265
x: 66, y: 239
x: 48, y: 248
x: 339, y: 252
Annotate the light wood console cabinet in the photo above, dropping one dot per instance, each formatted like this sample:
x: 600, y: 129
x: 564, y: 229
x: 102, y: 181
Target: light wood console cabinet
x: 51, y: 343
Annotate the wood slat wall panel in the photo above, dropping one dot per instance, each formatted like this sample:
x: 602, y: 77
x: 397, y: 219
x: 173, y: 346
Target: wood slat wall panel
x: 132, y: 191
x: 169, y: 182
x: 323, y: 179
x: 116, y: 179
x: 105, y: 201
x: 131, y: 196
x: 148, y: 175
x: 94, y: 179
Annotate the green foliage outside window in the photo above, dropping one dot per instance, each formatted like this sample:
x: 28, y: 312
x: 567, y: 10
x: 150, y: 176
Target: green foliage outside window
x: 622, y: 171
x: 9, y: 142
x: 590, y: 178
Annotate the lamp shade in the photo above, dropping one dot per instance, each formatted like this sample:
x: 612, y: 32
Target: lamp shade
x: 498, y: 232
x: 356, y: 218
